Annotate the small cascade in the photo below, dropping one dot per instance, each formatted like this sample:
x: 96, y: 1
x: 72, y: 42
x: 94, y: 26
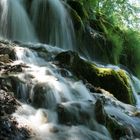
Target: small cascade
x: 56, y: 105
x: 14, y: 22
x: 45, y: 90
x: 53, y: 23
x: 46, y: 78
x: 136, y: 89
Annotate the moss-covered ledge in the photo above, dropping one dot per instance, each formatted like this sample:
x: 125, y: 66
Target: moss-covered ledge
x: 116, y: 82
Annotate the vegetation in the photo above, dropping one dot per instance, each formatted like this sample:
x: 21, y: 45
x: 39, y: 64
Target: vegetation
x: 117, y: 21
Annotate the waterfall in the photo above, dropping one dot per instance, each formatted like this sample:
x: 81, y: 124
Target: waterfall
x: 14, y: 22
x: 55, y: 104
x: 47, y: 76
x: 45, y: 89
x: 136, y: 89
x: 48, y: 18
x: 53, y: 23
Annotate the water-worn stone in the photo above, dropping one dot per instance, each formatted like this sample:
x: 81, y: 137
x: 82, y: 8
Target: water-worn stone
x: 116, y: 82
x: 74, y: 113
x: 9, y: 129
x: 100, y: 112
x: 7, y: 50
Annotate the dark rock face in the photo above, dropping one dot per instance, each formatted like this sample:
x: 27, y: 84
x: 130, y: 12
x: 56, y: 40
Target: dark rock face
x: 9, y: 130
x: 115, y: 128
x: 38, y: 99
x: 7, y: 49
x: 9, y: 127
x: 74, y: 113
x: 116, y: 82
x: 99, y: 112
x: 8, y: 103
x: 7, y: 68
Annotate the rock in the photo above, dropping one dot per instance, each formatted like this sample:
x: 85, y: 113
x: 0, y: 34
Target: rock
x: 116, y: 129
x: 9, y: 127
x: 93, y: 89
x: 100, y: 112
x: 43, y: 96
x: 5, y: 58
x: 38, y: 97
x: 116, y: 82
x: 9, y: 130
x: 8, y: 103
x: 10, y: 84
x: 74, y: 113
x: 77, y: 6
x: 7, y: 50
x: 137, y: 114
x: 10, y: 69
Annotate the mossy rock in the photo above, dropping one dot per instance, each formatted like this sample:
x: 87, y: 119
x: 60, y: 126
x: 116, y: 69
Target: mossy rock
x: 77, y: 21
x: 79, y: 8
x: 116, y: 82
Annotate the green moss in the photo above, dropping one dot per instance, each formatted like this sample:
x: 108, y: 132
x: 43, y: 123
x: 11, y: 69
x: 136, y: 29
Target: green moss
x: 116, y: 82
x: 79, y: 8
x: 77, y: 21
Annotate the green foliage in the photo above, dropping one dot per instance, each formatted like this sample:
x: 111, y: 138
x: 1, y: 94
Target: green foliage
x: 117, y: 46
x: 114, y: 40
x: 119, y: 12
x: 116, y: 21
x: 131, y: 51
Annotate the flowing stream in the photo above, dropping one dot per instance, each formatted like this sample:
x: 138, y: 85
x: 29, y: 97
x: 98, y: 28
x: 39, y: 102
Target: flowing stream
x: 55, y: 104
x: 49, y: 88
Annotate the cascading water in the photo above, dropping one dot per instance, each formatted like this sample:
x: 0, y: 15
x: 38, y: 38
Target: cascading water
x: 14, y: 22
x: 45, y: 88
x: 53, y: 23
x: 53, y: 28
x: 136, y: 89
x: 55, y: 105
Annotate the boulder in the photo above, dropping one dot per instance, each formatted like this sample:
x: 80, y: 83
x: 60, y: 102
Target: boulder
x: 9, y: 127
x: 115, y: 81
x: 7, y: 51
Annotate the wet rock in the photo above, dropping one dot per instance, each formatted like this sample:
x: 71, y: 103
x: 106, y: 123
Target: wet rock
x: 9, y: 84
x: 9, y: 127
x: 8, y: 103
x: 100, y: 112
x: 8, y: 69
x: 116, y: 82
x: 38, y: 98
x: 43, y: 96
x: 64, y: 72
x: 5, y: 58
x: 7, y: 49
x: 92, y: 88
x: 9, y: 130
x: 74, y: 113
x: 137, y: 114
x: 116, y: 129
x: 77, y: 6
